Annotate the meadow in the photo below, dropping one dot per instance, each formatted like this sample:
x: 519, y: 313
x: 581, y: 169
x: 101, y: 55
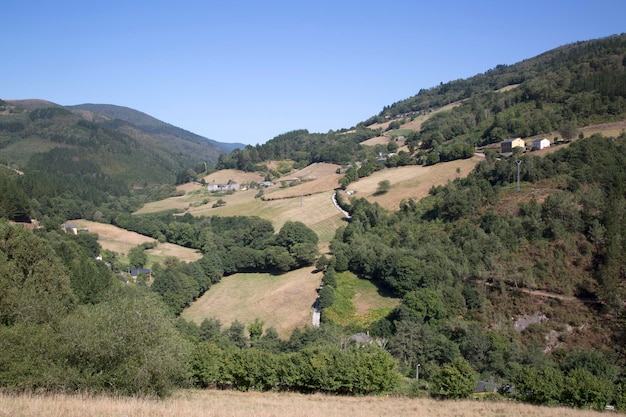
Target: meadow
x: 409, y: 182
x: 211, y: 403
x: 121, y: 241
x: 281, y: 301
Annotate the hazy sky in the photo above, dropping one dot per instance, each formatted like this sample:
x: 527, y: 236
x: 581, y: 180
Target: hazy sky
x: 246, y: 71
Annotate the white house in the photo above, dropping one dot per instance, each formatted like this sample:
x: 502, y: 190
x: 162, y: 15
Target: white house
x: 541, y: 143
x: 231, y: 186
x: 70, y: 227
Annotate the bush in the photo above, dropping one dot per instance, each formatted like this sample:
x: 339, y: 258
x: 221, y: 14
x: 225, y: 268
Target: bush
x: 127, y: 345
x: 584, y: 390
x: 455, y: 380
x: 539, y: 386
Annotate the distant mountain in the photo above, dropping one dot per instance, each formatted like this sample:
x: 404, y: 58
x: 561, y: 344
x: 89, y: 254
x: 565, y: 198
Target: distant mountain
x: 99, y: 142
x: 110, y: 113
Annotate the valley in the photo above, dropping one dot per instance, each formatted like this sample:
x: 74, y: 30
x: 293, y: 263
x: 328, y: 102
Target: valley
x: 450, y: 254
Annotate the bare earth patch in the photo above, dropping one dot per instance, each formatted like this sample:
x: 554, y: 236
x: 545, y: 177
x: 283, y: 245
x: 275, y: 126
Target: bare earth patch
x: 283, y: 301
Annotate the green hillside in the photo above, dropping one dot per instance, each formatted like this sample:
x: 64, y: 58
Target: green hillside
x: 560, y: 90
x: 513, y: 273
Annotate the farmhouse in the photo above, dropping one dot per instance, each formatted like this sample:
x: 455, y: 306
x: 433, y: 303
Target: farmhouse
x: 135, y: 272
x: 231, y: 186
x: 70, y: 227
x: 541, y: 143
x: 507, y: 145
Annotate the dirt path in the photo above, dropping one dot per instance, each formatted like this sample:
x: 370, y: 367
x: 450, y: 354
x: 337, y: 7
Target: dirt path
x: 541, y: 293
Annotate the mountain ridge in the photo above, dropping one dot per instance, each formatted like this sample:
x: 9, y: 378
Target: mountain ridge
x: 148, y: 123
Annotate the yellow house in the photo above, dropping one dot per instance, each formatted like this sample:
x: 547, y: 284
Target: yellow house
x: 509, y: 144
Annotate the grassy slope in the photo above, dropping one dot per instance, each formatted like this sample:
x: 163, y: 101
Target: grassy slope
x: 121, y: 241
x: 409, y: 182
x: 283, y: 301
x: 358, y: 302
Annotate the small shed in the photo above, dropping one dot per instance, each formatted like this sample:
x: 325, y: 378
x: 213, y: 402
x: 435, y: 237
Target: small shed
x: 541, y: 143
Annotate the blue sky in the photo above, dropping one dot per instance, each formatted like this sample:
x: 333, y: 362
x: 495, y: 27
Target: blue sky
x: 246, y: 71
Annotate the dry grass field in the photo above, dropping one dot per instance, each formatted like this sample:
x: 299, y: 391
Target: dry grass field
x: 378, y: 140
x: 409, y: 181
x: 282, y: 301
x: 315, y: 178
x: 316, y: 211
x: 225, y: 175
x: 212, y: 403
x: 121, y: 241
x: 191, y: 197
x: 607, y: 129
x: 309, y: 202
x: 416, y: 123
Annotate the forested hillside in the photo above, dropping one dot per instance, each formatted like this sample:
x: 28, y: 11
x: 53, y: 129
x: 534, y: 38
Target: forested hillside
x: 569, y: 87
x: 176, y: 136
x: 90, y: 164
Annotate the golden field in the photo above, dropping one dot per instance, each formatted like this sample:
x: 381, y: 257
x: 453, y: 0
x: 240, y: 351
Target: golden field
x: 280, y: 301
x: 120, y: 240
x: 211, y: 403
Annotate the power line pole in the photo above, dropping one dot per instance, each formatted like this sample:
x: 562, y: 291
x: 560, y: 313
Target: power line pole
x: 518, y: 162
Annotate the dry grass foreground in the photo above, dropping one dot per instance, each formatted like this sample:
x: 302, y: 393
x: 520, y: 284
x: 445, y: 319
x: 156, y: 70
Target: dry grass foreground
x: 253, y: 404
x: 283, y: 302
x: 121, y: 241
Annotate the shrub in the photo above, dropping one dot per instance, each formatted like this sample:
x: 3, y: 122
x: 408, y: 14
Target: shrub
x: 455, y: 380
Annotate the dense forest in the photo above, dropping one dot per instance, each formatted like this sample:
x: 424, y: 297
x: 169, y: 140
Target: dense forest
x: 485, y: 266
